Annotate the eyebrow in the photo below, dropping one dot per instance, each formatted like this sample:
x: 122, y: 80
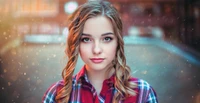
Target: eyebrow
x: 104, y: 34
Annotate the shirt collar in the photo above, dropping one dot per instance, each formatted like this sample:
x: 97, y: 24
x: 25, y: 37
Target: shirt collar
x: 82, y: 74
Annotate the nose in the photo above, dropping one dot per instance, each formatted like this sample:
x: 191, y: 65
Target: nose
x: 97, y: 48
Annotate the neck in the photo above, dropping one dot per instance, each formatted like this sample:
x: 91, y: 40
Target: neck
x: 96, y: 78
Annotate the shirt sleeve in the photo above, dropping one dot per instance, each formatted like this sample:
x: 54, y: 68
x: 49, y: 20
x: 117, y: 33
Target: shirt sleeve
x: 152, y: 97
x: 146, y: 93
x: 49, y: 96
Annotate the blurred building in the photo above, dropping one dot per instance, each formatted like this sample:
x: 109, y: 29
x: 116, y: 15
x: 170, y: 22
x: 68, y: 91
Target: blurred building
x: 37, y: 20
x: 177, y: 20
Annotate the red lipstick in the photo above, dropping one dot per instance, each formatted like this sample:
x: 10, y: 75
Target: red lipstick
x: 97, y: 60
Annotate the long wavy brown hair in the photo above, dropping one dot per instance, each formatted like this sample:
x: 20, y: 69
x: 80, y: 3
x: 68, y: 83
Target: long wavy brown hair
x: 122, y: 72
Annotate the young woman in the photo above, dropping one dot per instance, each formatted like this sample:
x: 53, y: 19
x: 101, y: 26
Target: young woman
x: 95, y: 33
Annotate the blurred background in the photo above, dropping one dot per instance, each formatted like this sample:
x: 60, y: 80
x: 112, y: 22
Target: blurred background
x: 162, y: 45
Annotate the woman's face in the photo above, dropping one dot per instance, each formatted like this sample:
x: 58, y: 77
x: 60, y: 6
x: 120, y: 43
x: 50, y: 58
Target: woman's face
x: 98, y: 44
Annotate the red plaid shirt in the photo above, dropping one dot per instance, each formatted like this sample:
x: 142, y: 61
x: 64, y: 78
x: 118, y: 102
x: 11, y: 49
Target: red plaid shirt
x: 84, y: 92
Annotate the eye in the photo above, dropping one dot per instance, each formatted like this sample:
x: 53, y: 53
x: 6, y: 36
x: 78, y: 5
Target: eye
x: 107, y: 39
x: 85, y: 39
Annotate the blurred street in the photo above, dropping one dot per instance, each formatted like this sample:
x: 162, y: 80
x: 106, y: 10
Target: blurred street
x: 162, y: 46
x: 28, y: 70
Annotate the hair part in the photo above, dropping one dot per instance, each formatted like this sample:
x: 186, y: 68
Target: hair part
x: 77, y: 20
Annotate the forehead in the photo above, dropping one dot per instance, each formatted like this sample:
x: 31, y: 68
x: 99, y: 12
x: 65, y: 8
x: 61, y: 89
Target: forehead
x: 98, y: 25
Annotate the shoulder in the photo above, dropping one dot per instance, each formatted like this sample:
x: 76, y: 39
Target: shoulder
x: 146, y: 92
x: 50, y: 94
x: 142, y: 84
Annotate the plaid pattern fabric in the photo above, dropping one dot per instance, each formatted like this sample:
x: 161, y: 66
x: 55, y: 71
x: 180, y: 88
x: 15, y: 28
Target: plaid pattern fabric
x: 84, y: 92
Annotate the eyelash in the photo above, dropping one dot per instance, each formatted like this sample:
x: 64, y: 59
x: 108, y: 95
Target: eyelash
x: 83, y: 39
x: 105, y: 39
x: 108, y: 38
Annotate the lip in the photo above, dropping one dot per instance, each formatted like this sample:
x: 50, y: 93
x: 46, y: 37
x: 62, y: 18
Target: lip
x: 97, y: 60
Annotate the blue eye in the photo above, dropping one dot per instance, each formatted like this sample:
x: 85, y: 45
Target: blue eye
x: 107, y: 39
x: 85, y: 40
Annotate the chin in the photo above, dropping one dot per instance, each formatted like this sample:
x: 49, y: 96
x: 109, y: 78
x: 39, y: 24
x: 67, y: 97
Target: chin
x: 97, y: 67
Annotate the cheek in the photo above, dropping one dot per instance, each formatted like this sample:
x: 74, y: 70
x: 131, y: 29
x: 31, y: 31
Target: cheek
x: 84, y: 50
x: 112, y: 49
